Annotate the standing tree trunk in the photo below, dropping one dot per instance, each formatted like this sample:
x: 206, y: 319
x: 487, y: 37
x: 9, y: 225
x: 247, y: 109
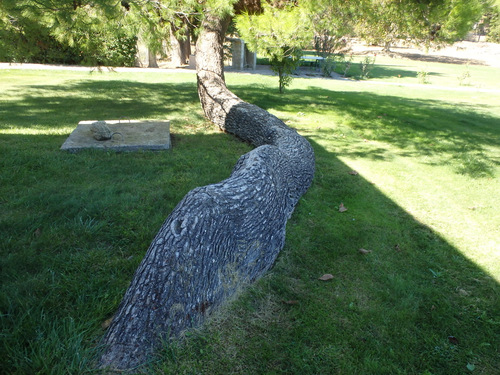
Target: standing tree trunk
x: 221, y: 236
x: 180, y: 48
x: 152, y: 62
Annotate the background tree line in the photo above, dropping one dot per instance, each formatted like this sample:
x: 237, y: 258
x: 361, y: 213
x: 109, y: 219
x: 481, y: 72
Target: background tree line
x: 106, y: 32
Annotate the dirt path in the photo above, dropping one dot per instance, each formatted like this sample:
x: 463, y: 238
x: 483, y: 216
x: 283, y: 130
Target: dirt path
x: 474, y: 53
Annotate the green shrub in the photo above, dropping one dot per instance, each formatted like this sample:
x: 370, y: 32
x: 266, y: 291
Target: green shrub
x: 366, y: 66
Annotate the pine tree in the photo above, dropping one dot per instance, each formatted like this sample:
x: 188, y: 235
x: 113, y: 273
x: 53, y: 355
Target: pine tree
x: 278, y: 34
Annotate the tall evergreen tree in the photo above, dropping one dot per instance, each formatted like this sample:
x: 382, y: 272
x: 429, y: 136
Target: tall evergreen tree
x: 278, y: 34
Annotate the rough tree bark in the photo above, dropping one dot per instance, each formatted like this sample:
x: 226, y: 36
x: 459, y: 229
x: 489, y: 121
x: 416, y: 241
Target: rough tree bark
x: 220, y: 236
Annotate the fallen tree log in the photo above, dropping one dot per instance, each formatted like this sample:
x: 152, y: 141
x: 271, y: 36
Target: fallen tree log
x: 221, y: 236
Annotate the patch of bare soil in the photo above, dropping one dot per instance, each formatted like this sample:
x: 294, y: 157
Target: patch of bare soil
x: 474, y: 53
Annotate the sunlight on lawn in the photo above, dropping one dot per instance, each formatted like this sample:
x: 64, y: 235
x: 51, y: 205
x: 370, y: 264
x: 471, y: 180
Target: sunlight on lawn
x: 433, y: 155
x: 36, y: 131
x: 456, y: 211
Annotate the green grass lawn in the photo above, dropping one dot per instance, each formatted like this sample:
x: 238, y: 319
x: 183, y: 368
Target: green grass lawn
x: 424, y: 200
x: 399, y: 70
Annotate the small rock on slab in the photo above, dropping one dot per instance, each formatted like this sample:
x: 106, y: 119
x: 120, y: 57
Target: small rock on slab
x: 132, y: 135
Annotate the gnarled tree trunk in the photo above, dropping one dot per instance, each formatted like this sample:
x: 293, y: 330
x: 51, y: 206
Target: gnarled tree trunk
x: 220, y: 236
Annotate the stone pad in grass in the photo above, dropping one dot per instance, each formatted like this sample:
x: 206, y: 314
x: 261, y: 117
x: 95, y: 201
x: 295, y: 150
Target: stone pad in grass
x: 131, y: 135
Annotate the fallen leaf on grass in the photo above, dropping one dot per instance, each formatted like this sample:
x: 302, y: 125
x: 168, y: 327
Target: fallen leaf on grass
x: 453, y: 340
x: 342, y: 208
x: 326, y: 277
x: 471, y: 366
x: 364, y: 251
x: 354, y: 173
x: 106, y: 323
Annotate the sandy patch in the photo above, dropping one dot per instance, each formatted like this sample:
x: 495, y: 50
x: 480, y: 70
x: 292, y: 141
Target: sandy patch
x: 475, y: 53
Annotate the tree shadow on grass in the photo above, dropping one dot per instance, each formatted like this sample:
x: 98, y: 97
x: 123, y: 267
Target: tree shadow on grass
x: 66, y: 105
x: 388, y: 311
x: 412, y: 305
x: 415, y: 126
x: 393, y: 71
x: 73, y: 228
x: 380, y: 71
x: 376, y: 71
x: 442, y: 59
x: 396, y: 306
x: 447, y: 133
x: 437, y: 58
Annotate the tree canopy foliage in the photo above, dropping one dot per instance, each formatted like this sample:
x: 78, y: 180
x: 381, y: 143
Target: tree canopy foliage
x: 278, y: 34
x: 490, y: 22
x: 331, y: 21
x: 284, y: 28
x: 105, y: 31
x: 90, y: 31
x: 420, y: 22
x: 72, y: 31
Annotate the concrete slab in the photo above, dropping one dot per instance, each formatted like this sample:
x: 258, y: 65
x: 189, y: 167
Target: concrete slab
x: 133, y: 135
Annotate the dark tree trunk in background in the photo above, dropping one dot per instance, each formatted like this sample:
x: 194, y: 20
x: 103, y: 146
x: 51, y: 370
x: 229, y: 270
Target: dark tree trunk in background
x: 221, y: 236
